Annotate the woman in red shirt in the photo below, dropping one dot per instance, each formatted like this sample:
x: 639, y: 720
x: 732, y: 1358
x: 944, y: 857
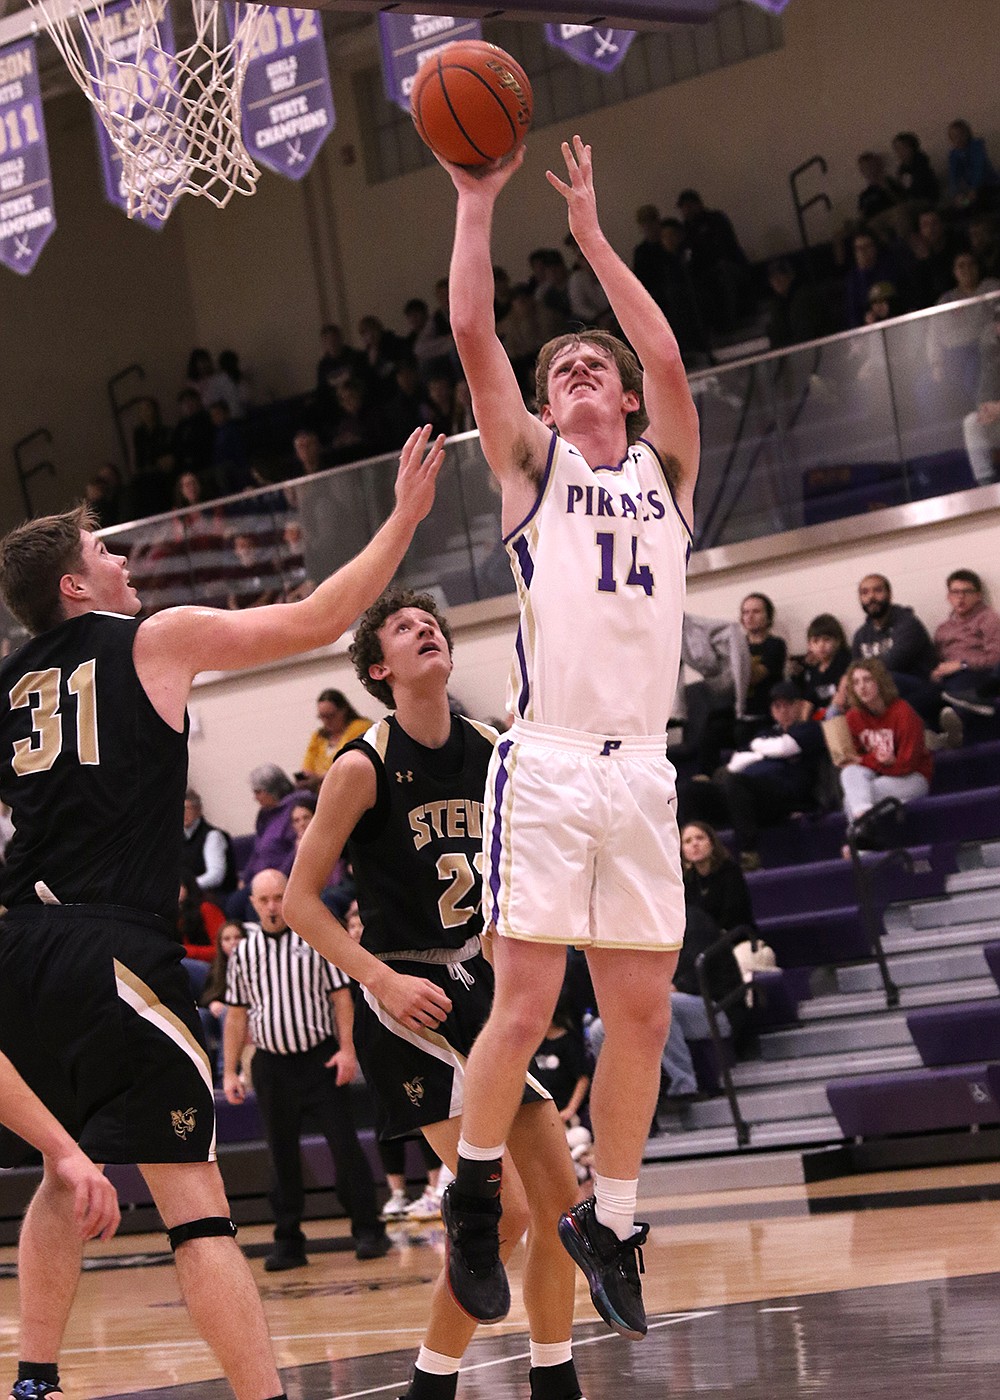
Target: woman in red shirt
x: 892, y: 758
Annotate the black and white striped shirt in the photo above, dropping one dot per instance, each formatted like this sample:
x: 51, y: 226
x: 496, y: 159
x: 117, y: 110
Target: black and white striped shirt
x: 285, y: 986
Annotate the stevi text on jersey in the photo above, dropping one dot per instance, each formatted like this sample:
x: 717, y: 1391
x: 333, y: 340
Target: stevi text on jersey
x: 446, y: 820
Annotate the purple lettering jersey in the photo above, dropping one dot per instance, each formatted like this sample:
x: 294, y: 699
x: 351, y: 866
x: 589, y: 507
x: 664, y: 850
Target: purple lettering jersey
x: 600, y: 566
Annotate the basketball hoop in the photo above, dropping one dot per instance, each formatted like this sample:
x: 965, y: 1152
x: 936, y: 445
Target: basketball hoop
x: 172, y: 113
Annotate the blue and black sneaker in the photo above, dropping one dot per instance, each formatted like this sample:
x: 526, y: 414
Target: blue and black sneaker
x: 612, y: 1267
x: 476, y: 1276
x: 33, y: 1390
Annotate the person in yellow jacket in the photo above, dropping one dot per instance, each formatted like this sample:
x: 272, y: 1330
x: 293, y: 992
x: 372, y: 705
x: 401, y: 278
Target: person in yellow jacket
x: 339, y: 723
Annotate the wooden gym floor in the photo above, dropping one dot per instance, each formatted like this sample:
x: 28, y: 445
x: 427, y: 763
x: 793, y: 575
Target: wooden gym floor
x: 853, y: 1288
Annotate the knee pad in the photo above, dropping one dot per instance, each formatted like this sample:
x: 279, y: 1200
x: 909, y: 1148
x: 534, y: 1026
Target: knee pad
x: 211, y: 1227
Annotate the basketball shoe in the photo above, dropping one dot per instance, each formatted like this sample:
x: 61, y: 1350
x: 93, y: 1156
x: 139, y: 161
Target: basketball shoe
x: 476, y: 1276
x: 612, y: 1267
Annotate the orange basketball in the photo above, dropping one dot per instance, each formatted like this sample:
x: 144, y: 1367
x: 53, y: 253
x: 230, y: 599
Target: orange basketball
x: 471, y: 102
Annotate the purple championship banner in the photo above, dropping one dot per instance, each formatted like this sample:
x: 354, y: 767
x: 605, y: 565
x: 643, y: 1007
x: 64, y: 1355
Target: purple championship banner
x: 590, y: 45
x: 288, y: 107
x: 122, y: 21
x: 27, y: 216
x: 408, y: 40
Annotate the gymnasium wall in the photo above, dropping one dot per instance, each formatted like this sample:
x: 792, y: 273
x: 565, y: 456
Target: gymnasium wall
x: 261, y: 275
x: 267, y: 716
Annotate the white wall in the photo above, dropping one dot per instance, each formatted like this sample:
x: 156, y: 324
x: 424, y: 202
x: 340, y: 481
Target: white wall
x: 267, y: 717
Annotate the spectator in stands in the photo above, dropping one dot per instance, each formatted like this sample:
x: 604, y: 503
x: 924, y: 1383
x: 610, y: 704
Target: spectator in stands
x: 212, y: 1003
x: 200, y: 369
x: 358, y: 432
x: 872, y: 263
x: 717, y: 902
x: 193, y: 435
x: 501, y: 293
x: 100, y: 497
x: 227, y: 383
x: 720, y: 655
x: 776, y: 775
x: 381, y: 351
x: 892, y: 759
x: 208, y: 854
x: 338, y: 362
x: 588, y: 302
x: 309, y: 454
x: 915, y: 176
x: 796, y: 310
x: 767, y: 664
x: 254, y: 578
x: 953, y: 340
x: 274, y: 836
x: 981, y: 427
x: 426, y: 346
x: 443, y: 411
x: 895, y: 636
x: 682, y: 308
x: 552, y: 291
x: 934, y: 247
x: 229, y: 467
x: 984, y: 241
x: 524, y: 330
x: 879, y: 200
x: 650, y: 259
x: 968, y: 645
x: 884, y: 302
x: 819, y: 671
x: 151, y: 449
x: 198, y: 924
x: 973, y: 184
x: 339, y: 724
x: 406, y: 409
x: 718, y: 265
x: 560, y: 1064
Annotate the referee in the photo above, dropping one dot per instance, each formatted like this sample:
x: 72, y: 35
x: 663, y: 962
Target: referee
x: 297, y: 1008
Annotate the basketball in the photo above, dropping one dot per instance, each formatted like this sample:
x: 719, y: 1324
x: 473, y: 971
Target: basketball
x: 471, y: 103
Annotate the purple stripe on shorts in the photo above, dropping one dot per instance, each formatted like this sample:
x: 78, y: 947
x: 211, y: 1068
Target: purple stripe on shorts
x: 523, y: 697
x: 499, y: 784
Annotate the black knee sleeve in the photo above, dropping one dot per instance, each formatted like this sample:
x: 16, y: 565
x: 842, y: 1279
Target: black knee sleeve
x: 210, y: 1227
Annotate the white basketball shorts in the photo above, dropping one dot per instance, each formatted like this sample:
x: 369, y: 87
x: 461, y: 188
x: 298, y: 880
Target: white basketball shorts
x: 580, y: 840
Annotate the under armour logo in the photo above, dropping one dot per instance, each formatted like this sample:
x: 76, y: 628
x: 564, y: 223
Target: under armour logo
x: 406, y: 777
x: 609, y: 746
x: 295, y: 156
x: 182, y: 1121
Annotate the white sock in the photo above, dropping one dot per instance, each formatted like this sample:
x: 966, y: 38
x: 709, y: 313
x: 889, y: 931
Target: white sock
x: 615, y: 1204
x: 432, y: 1363
x: 478, y: 1154
x: 551, y: 1353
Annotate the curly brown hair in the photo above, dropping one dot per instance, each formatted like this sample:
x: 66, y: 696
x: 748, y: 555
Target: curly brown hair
x: 366, y: 649
x: 879, y: 674
x: 33, y: 559
x: 628, y: 366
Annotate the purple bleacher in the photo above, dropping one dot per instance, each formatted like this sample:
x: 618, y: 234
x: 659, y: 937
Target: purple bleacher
x: 830, y: 883
x: 777, y: 995
x: 237, y: 1122
x: 939, y: 474
x: 957, y: 1034
x: 964, y: 769
x: 817, y: 937
x: 991, y: 952
x: 913, y: 1101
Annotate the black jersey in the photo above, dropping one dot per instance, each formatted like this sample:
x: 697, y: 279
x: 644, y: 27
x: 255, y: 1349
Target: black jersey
x: 94, y: 777
x: 417, y: 855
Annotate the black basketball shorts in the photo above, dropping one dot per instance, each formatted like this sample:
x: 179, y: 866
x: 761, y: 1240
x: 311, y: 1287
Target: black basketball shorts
x: 418, y: 1077
x: 97, y: 1015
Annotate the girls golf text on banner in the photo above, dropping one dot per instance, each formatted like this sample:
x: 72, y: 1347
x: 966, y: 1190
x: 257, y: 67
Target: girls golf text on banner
x: 288, y: 107
x: 156, y: 94
x: 598, y: 48
x: 27, y: 216
x: 407, y: 40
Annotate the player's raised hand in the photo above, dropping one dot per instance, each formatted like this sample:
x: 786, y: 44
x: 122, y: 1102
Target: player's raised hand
x: 416, y: 479
x: 483, y: 181
x: 414, y: 1002
x: 95, y: 1201
x: 579, y: 193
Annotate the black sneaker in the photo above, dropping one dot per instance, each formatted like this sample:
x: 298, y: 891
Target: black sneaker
x: 280, y: 1260
x: 476, y: 1276
x: 611, y: 1267
x: 34, y: 1390
x: 372, y: 1245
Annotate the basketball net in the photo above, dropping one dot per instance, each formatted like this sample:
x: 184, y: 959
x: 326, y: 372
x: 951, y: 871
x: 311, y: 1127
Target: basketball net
x: 172, y: 113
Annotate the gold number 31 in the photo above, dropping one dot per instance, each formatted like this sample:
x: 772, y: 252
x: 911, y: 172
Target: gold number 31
x: 39, y: 690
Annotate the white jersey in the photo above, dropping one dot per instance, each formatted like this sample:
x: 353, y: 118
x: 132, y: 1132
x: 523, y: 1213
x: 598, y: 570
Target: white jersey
x: 600, y: 565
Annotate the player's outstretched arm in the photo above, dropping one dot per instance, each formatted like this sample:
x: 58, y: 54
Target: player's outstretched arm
x: 511, y: 438
x: 348, y: 792
x: 673, y: 419
x: 95, y: 1203
x: 180, y: 642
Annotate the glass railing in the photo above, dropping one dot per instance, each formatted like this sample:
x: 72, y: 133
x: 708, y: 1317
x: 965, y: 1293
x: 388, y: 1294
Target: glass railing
x: 835, y: 428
